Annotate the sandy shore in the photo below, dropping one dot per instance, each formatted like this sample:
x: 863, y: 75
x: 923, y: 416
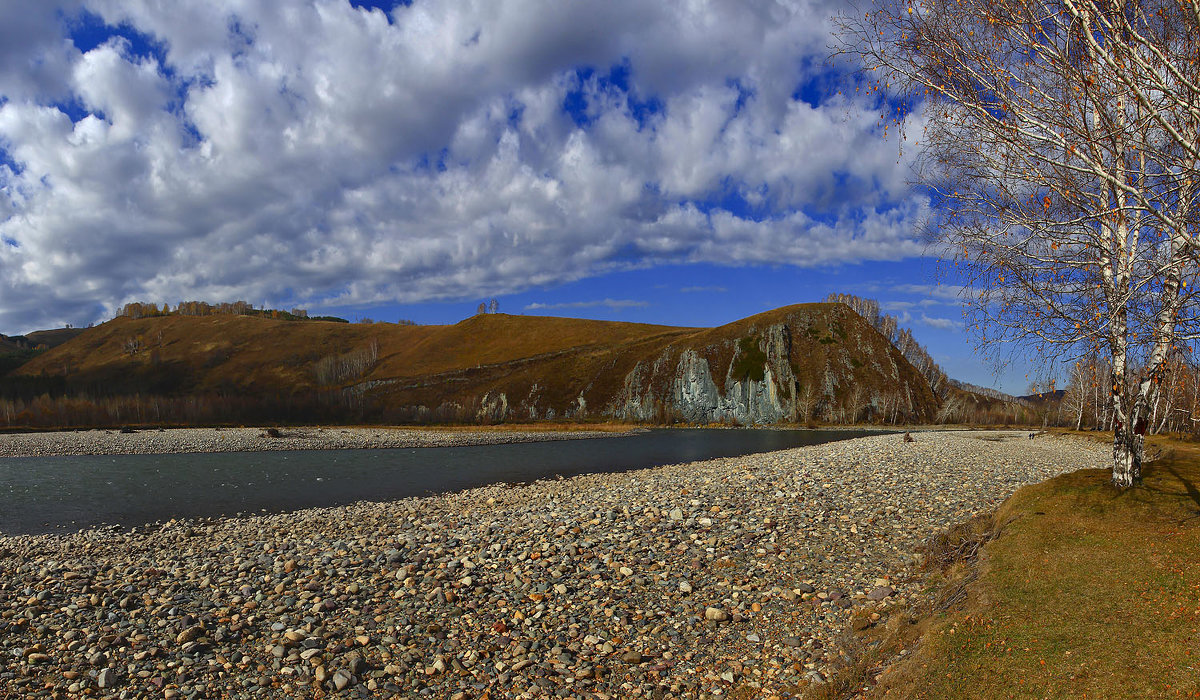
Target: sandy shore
x: 177, y: 440
x: 683, y: 581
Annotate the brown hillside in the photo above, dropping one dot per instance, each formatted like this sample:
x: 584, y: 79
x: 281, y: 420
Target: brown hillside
x: 52, y: 338
x: 795, y: 363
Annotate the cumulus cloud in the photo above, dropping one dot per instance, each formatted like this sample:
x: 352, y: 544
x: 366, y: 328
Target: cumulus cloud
x: 950, y: 293
x: 945, y: 324
x: 614, y: 304
x: 326, y: 154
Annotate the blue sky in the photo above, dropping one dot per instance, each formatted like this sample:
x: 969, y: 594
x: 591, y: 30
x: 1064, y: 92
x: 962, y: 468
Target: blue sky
x: 675, y: 163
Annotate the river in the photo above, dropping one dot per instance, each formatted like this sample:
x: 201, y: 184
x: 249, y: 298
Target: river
x: 61, y: 494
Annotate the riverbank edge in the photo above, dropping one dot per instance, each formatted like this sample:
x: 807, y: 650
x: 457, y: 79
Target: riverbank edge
x: 210, y: 440
x: 102, y: 441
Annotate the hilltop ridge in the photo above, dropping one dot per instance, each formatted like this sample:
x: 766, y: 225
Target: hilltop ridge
x: 792, y: 364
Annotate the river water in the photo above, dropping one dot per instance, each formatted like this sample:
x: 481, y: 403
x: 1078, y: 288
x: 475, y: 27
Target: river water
x: 61, y: 494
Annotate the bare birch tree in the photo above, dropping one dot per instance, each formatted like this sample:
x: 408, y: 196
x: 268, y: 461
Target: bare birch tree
x: 1060, y: 147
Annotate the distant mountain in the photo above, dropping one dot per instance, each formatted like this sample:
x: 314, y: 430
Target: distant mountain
x: 37, y: 339
x: 1046, y: 398
x: 52, y: 338
x: 809, y: 361
x: 18, y: 349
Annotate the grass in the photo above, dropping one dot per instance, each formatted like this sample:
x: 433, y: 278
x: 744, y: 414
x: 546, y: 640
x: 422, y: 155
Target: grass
x: 542, y: 366
x: 751, y: 361
x: 1082, y: 592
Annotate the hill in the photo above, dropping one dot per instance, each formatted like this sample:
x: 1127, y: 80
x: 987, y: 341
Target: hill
x: 18, y: 349
x: 790, y: 364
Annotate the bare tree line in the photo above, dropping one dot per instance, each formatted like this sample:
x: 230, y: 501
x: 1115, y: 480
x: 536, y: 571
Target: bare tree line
x: 335, y: 369
x: 1062, y: 139
x: 902, y: 338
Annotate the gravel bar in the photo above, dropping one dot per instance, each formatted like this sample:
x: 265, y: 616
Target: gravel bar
x: 177, y: 440
x: 682, y: 581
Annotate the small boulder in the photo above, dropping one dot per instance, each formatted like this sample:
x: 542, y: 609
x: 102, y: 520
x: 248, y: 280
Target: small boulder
x: 107, y: 678
x: 880, y: 592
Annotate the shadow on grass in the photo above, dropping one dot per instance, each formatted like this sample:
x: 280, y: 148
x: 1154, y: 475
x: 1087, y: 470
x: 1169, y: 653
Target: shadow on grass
x: 1192, y: 492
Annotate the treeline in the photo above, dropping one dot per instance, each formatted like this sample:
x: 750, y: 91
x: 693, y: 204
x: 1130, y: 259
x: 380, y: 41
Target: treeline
x: 203, y: 308
x: 335, y: 369
x: 966, y: 406
x: 987, y: 391
x: 83, y: 411
x: 956, y: 403
x: 1173, y: 404
x: 901, y: 338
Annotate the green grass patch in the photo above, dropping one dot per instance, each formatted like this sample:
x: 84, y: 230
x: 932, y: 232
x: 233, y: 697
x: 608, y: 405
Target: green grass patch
x: 751, y: 362
x: 1086, y: 592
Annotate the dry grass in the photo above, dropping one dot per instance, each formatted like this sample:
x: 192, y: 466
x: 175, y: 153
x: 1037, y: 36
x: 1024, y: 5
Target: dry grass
x: 537, y: 363
x: 1087, y: 593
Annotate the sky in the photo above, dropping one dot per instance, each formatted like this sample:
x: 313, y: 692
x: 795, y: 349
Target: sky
x: 676, y: 162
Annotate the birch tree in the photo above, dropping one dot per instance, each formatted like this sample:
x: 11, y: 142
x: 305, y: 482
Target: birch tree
x: 1059, y: 144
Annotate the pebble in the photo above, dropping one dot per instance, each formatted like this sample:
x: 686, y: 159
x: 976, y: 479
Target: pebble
x: 581, y: 587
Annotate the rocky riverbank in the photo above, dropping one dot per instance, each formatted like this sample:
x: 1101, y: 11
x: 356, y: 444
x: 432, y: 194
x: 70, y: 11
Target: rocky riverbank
x: 177, y: 440
x: 675, y: 582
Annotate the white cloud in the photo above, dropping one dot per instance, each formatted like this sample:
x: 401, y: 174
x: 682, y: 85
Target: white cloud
x: 614, y: 304
x: 315, y: 153
x: 942, y: 323
x: 941, y: 292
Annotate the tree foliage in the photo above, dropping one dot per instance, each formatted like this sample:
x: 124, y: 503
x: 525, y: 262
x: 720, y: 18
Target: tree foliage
x: 1059, y: 143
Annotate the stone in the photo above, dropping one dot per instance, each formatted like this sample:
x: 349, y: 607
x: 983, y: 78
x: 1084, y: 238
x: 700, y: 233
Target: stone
x: 295, y: 636
x: 880, y: 592
x: 283, y: 601
x: 716, y: 614
x: 632, y: 657
x: 190, y: 634
x: 107, y: 678
x: 342, y: 679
